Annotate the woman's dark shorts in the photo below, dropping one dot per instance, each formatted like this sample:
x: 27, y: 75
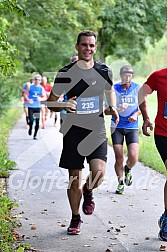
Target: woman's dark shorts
x: 131, y: 136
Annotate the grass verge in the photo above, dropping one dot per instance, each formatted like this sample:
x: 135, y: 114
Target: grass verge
x: 7, y: 121
x: 8, y: 241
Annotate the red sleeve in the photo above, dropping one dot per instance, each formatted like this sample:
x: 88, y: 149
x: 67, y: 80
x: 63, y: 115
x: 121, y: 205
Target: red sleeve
x: 151, y: 81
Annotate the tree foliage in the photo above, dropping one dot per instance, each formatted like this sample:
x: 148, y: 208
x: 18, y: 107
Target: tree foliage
x: 39, y: 36
x: 51, y: 30
x: 45, y: 39
x: 128, y: 24
x: 154, y: 59
x: 8, y: 51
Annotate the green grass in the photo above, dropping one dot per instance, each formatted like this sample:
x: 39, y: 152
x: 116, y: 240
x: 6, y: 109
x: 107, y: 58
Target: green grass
x: 148, y: 153
x: 7, y: 121
x: 7, y: 223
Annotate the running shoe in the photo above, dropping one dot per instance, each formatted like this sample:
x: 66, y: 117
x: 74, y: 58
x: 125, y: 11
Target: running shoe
x: 163, y: 228
x: 120, y: 188
x: 75, y: 227
x: 88, y: 203
x: 128, y: 178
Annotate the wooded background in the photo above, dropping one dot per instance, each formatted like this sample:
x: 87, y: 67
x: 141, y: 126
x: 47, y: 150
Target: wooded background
x: 39, y: 36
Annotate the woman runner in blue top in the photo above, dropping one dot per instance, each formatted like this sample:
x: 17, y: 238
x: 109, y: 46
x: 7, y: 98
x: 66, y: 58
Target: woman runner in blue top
x: 34, y: 95
x: 127, y: 105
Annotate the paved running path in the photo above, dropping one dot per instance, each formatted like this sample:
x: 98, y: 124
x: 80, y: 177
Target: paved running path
x: 120, y: 222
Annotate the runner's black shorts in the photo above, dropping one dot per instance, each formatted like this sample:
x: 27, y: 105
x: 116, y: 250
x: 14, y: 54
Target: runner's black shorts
x: 71, y: 158
x: 130, y: 135
x: 161, y: 144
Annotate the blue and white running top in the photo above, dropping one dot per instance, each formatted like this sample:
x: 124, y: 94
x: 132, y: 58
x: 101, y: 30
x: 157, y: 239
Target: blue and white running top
x: 130, y: 98
x: 35, y: 92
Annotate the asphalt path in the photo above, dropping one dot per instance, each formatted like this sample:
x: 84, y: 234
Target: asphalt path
x: 119, y: 223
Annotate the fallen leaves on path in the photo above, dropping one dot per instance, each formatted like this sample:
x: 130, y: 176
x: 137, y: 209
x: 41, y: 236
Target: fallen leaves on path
x: 17, y: 236
x: 31, y: 250
x: 33, y: 227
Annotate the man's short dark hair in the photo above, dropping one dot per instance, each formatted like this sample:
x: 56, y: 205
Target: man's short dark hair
x: 85, y: 33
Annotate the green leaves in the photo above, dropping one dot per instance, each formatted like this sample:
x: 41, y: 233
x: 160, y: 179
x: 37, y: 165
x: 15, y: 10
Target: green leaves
x: 21, y: 249
x: 51, y: 27
x: 6, y: 223
x: 12, y: 6
x: 127, y: 25
x: 8, y: 53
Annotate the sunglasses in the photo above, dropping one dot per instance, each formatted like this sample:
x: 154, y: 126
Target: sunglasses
x: 38, y: 79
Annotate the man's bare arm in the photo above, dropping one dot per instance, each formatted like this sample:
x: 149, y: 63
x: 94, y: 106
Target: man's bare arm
x: 111, y: 100
x: 54, y: 104
x: 143, y: 105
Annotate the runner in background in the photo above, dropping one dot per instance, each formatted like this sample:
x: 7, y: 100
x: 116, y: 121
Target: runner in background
x: 44, y: 108
x: 74, y: 58
x: 34, y: 94
x: 127, y: 129
x: 25, y: 103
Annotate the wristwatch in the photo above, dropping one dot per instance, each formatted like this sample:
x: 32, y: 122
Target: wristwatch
x: 112, y: 109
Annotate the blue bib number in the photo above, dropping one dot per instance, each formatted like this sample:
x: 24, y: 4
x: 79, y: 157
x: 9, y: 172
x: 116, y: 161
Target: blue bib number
x: 130, y: 100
